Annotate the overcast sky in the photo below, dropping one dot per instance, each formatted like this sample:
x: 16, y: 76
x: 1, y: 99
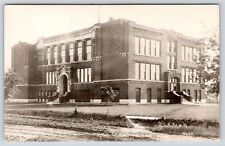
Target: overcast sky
x: 30, y: 22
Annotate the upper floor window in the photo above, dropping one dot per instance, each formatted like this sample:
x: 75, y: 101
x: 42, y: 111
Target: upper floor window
x: 49, y: 55
x: 144, y: 46
x: 190, y: 54
x: 171, y: 46
x: 189, y: 75
x: 71, y: 52
x: 155, y: 48
x: 51, y: 78
x: 88, y: 50
x: 63, y: 53
x: 56, y: 54
x: 171, y: 62
x: 79, y: 51
x: 137, y: 45
x: 84, y: 75
x: 39, y: 56
x: 145, y: 71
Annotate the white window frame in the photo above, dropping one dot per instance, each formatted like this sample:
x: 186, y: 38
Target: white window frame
x: 137, y: 45
x: 137, y: 70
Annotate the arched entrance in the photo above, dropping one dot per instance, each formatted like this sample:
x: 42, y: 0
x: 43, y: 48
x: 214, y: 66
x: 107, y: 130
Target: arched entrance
x: 174, y: 84
x: 63, y: 84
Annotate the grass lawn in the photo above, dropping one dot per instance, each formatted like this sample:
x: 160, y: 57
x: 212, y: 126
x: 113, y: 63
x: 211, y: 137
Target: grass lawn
x: 92, y: 121
x: 178, y: 111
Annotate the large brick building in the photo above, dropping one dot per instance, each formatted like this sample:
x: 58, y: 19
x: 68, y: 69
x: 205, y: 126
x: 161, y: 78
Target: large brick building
x: 145, y: 65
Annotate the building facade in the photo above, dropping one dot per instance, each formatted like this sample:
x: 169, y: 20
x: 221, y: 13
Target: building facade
x: 143, y: 64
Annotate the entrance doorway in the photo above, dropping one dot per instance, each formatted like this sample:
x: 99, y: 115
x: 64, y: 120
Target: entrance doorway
x: 174, y: 84
x: 138, y: 94
x: 63, y: 84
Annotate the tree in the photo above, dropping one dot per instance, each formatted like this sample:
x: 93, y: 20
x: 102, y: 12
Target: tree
x: 110, y: 95
x: 11, y: 79
x: 214, y: 75
x: 208, y: 64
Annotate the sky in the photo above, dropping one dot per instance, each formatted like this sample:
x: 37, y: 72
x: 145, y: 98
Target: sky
x: 28, y: 23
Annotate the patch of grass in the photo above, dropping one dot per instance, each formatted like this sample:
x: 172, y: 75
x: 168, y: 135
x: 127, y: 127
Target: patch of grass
x: 179, y: 122
x: 111, y: 120
x: 191, y: 127
x: 209, y: 132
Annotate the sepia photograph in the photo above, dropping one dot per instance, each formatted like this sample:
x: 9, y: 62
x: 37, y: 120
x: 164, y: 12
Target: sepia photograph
x: 130, y: 73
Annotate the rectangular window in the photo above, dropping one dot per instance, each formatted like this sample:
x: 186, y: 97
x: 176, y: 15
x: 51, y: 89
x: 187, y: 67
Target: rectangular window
x: 157, y: 71
x: 136, y: 45
x: 88, y: 53
x: 147, y: 71
x: 173, y: 63
x: 147, y: 46
x: 191, y: 54
x: 191, y: 75
x: 142, y: 45
x: 152, y: 52
x: 89, y: 75
x: 187, y: 53
x: 49, y: 55
x: 88, y: 50
x: 82, y: 75
x: 85, y: 75
x: 183, y: 75
x: 79, y: 51
x: 56, y: 54
x: 63, y: 53
x: 47, y: 78
x: 194, y: 54
x: 194, y: 76
x: 168, y: 47
x: 173, y: 47
x: 157, y: 51
x: 53, y: 77
x: 137, y: 71
x: 152, y: 71
x: 78, y: 75
x: 183, y: 52
x: 142, y: 71
x: 71, y: 52
x: 50, y: 77
x: 187, y: 75
x: 197, y: 55
x: 168, y: 62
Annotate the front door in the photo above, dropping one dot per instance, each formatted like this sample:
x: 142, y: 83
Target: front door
x: 138, y: 94
x: 63, y: 86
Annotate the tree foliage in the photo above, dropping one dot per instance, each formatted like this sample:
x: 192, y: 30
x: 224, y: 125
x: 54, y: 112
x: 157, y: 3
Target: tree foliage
x: 109, y: 92
x: 11, y: 79
x: 208, y: 64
